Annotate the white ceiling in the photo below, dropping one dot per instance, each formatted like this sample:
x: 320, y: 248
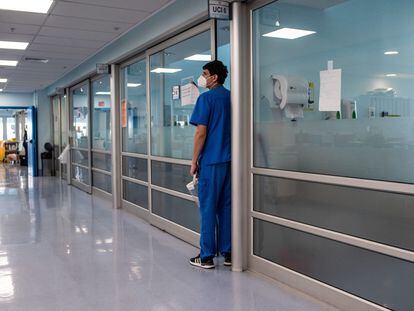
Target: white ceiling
x: 70, y: 33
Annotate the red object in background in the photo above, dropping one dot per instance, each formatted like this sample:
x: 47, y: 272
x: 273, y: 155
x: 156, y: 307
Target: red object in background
x: 101, y: 104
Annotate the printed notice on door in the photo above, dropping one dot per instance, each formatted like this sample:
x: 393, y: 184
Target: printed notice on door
x: 330, y: 90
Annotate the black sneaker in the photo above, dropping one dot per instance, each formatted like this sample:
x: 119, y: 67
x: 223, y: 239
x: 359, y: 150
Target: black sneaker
x: 202, y: 263
x: 227, y: 260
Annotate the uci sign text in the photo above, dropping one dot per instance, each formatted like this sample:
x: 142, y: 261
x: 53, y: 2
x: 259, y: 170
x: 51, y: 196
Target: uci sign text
x: 219, y: 9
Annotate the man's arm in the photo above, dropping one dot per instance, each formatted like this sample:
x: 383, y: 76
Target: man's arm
x: 199, y: 140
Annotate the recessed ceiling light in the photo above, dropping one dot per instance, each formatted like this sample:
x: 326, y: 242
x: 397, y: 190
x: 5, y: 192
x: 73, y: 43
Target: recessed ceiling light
x: 199, y: 57
x: 3, y: 80
x: 34, y: 6
x: 12, y: 45
x: 133, y: 84
x: 391, y: 74
x: 1, y: 90
x: 165, y: 70
x: 289, y: 33
x: 12, y: 63
x: 391, y: 52
x: 103, y: 93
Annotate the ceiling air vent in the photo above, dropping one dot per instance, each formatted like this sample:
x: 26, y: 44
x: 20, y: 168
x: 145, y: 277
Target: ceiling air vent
x: 36, y: 60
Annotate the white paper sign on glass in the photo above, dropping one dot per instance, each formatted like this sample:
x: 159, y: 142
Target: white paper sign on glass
x: 189, y: 94
x: 330, y: 90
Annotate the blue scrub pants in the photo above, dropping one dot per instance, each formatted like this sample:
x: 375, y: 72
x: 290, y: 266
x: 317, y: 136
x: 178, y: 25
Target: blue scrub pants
x: 214, y: 194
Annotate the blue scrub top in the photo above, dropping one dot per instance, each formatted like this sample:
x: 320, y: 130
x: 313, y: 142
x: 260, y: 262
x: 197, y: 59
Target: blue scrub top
x: 213, y: 109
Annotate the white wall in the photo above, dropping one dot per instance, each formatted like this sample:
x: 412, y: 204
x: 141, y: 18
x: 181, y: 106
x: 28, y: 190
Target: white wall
x: 16, y: 99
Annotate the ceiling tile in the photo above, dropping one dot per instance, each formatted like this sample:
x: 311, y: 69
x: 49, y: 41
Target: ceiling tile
x: 55, y: 55
x: 22, y: 18
x: 87, y: 24
x: 97, y: 12
x: 69, y: 42
x: 141, y: 5
x: 18, y: 29
x: 60, y: 49
x: 15, y: 37
x: 11, y: 54
x: 77, y: 34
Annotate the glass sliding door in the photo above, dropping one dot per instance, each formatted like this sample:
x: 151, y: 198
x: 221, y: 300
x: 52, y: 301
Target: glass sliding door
x: 101, y: 133
x: 173, y: 71
x: 332, y: 169
x: 81, y: 155
x: 134, y: 131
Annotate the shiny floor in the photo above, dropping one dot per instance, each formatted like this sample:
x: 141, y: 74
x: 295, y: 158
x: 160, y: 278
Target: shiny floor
x: 62, y: 249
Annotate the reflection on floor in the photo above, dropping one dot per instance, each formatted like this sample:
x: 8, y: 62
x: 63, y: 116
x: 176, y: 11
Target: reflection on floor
x: 61, y: 249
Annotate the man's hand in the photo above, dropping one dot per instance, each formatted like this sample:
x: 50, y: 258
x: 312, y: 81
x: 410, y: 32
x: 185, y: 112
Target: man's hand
x: 194, y: 169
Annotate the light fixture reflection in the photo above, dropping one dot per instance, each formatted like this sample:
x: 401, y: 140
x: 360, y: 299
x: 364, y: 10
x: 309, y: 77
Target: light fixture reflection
x: 199, y: 57
x: 391, y: 52
x: 289, y: 33
x: 166, y: 70
x: 134, y: 84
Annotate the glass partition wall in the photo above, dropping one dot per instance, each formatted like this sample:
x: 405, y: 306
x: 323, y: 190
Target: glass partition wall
x: 157, y: 138
x: 80, y: 148
x: 60, y: 134
x: 101, y: 133
x: 91, y: 135
x: 332, y: 168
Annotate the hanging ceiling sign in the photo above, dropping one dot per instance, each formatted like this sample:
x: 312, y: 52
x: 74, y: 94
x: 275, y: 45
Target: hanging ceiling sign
x: 102, y: 69
x: 219, y: 9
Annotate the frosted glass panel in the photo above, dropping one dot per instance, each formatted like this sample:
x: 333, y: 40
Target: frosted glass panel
x: 370, y: 134
x: 180, y: 211
x: 80, y: 157
x: 378, y: 216
x: 379, y: 278
x: 171, y: 176
x: 80, y: 174
x: 102, y: 181
x: 102, y: 161
x: 135, y: 168
x: 135, y: 193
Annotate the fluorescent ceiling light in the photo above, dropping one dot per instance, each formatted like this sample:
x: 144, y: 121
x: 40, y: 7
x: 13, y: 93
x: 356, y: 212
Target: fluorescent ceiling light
x: 391, y: 74
x: 289, y: 33
x: 3, y: 80
x: 8, y: 63
x: 34, y: 6
x: 134, y: 84
x: 166, y: 70
x: 391, y: 52
x: 199, y: 57
x: 12, y: 45
x: 103, y: 93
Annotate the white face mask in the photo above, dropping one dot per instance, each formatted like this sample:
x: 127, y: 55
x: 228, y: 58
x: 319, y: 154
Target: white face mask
x: 202, y: 81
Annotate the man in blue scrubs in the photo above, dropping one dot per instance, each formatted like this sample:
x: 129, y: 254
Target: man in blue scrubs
x: 211, y: 162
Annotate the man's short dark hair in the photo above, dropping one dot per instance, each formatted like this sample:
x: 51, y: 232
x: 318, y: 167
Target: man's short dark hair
x: 216, y: 67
